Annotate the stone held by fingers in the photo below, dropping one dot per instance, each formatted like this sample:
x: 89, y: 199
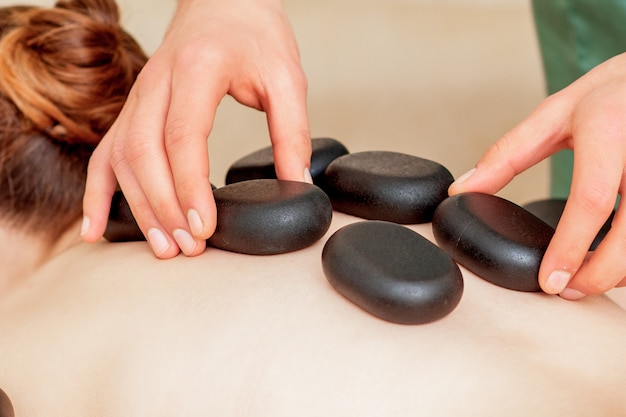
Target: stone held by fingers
x: 260, y: 164
x: 550, y: 211
x: 392, y: 272
x: 268, y: 216
x: 389, y: 186
x: 496, y: 239
x: 122, y: 226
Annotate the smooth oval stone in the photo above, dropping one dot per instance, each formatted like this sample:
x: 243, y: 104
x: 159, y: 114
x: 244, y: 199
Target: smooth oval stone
x: 260, y: 164
x: 122, y: 226
x: 6, y: 408
x: 392, y: 272
x: 550, y: 211
x: 494, y: 238
x: 388, y: 186
x: 267, y: 217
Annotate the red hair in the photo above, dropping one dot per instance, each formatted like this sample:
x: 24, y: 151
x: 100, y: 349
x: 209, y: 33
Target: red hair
x: 65, y: 73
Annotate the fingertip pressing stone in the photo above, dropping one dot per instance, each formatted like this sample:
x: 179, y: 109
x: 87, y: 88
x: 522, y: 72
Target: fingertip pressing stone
x: 494, y: 238
x: 550, y: 211
x: 392, y: 272
x: 122, y: 226
x: 6, y: 408
x: 260, y: 164
x: 267, y: 217
x: 390, y: 186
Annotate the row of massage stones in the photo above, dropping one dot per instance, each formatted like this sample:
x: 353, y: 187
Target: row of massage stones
x: 385, y: 268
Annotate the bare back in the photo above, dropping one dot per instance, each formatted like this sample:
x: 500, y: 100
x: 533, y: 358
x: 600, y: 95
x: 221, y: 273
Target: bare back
x: 108, y: 330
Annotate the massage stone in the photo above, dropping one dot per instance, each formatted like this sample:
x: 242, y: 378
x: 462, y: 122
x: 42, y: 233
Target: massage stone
x: 387, y: 186
x: 122, y: 226
x: 269, y: 216
x: 260, y: 164
x: 550, y: 210
x: 392, y: 272
x: 494, y: 238
x: 6, y: 408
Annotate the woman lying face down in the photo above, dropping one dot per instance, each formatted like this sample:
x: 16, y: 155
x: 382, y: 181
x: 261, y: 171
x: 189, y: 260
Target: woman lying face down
x: 64, y: 76
x: 108, y: 330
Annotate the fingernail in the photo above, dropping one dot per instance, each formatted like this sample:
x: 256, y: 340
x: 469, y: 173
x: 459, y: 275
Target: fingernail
x: 195, y: 222
x: 84, y: 228
x: 572, y: 294
x: 307, y: 176
x: 465, y: 176
x: 184, y: 240
x: 557, y: 281
x: 158, y: 241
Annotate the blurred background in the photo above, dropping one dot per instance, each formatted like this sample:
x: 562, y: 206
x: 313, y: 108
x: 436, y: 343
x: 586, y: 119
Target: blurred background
x: 440, y: 79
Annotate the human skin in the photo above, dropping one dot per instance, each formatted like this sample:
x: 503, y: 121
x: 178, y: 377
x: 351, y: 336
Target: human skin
x: 157, y: 148
x: 588, y: 117
x: 108, y: 329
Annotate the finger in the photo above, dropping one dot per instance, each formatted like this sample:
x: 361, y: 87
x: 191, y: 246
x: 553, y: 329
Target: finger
x: 143, y: 171
x: 195, y: 98
x: 533, y: 140
x: 162, y: 244
x: 595, y: 183
x: 605, y: 268
x: 99, y: 189
x: 289, y: 128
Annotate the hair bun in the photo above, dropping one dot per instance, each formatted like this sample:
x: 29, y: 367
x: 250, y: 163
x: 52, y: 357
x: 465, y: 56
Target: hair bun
x: 103, y: 11
x: 68, y: 69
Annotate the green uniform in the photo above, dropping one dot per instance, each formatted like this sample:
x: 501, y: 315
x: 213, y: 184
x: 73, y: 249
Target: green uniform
x: 575, y: 36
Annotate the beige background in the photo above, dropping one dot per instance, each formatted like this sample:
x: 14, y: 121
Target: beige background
x: 440, y: 79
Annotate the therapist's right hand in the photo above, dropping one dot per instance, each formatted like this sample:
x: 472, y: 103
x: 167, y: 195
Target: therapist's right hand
x: 157, y: 148
x: 589, y: 116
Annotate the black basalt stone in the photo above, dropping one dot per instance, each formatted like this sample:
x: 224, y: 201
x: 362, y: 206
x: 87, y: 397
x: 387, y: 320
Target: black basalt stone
x: 494, y: 238
x: 6, y: 408
x: 260, y: 164
x: 122, y: 226
x: 267, y: 217
x: 390, y: 186
x: 550, y: 211
x: 392, y: 272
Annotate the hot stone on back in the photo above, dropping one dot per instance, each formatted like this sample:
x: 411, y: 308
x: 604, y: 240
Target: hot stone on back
x: 494, y: 238
x: 260, y: 164
x: 268, y: 216
x: 390, y: 186
x: 392, y: 272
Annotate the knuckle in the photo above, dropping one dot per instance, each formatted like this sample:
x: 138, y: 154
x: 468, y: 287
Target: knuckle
x: 197, y: 57
x: 595, y: 200
x: 289, y: 77
x: 501, y: 151
x: 177, y: 134
x: 132, y: 148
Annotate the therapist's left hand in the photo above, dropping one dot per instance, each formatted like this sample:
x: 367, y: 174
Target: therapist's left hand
x: 589, y: 116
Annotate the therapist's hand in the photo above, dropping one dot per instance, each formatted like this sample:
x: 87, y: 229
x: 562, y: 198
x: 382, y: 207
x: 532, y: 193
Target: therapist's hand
x: 157, y: 148
x: 589, y: 117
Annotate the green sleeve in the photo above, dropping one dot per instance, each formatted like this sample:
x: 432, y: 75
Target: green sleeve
x: 575, y: 36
